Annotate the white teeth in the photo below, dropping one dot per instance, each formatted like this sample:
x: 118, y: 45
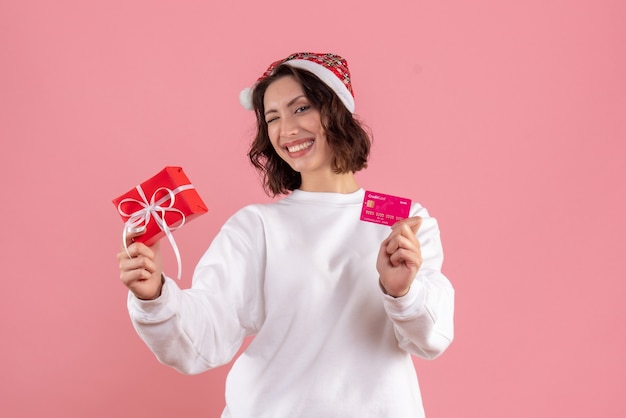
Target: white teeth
x: 300, y: 147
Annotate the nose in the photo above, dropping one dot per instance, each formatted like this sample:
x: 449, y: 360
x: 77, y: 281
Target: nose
x: 288, y: 126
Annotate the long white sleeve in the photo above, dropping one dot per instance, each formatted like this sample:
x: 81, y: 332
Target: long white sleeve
x: 423, y: 318
x: 203, y: 327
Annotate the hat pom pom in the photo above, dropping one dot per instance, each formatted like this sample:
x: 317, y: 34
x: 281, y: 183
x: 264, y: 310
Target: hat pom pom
x: 245, y: 98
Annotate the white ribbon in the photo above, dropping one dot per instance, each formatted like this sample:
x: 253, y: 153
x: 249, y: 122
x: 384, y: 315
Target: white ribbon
x: 154, y: 210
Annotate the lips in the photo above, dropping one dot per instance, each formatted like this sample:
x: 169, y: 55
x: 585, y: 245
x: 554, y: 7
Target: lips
x: 299, y: 147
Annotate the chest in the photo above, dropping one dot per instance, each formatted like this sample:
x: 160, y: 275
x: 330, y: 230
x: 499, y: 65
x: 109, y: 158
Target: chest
x: 315, y: 257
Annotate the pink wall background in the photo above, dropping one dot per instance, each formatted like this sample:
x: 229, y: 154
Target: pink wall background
x: 505, y: 119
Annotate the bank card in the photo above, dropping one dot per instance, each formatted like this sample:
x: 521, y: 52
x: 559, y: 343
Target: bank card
x: 384, y: 209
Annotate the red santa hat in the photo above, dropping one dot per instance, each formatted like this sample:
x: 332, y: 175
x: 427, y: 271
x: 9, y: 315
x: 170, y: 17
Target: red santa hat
x: 330, y: 68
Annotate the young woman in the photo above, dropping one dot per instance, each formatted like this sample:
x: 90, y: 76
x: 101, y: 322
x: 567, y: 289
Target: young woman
x: 336, y: 305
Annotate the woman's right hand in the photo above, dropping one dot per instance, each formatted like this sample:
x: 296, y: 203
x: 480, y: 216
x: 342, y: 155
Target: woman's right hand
x: 142, y: 272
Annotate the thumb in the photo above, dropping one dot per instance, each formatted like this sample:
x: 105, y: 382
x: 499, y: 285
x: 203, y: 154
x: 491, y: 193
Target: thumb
x: 414, y: 222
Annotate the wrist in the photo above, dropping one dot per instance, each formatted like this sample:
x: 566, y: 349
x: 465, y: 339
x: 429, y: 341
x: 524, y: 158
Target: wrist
x: 393, y: 294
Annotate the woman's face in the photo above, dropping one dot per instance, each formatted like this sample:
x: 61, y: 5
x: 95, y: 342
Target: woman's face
x: 295, y: 128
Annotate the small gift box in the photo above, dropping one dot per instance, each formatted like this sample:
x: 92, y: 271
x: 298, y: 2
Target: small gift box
x: 161, y: 204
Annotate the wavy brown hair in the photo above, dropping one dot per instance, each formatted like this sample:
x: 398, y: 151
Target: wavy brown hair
x: 346, y: 135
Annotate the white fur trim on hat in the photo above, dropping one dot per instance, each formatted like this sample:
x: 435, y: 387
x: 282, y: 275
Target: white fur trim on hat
x: 328, y: 77
x: 245, y: 98
x: 323, y: 73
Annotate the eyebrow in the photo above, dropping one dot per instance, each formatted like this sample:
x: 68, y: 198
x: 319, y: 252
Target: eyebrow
x: 291, y: 102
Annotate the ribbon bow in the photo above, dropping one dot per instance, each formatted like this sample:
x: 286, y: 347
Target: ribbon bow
x: 154, y: 209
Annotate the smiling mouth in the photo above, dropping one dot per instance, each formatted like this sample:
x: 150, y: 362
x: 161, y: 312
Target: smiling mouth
x: 300, y: 147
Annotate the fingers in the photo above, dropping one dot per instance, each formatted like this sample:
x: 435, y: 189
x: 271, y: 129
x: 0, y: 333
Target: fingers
x: 136, y: 269
x: 397, y: 270
x: 405, y: 252
x: 403, y: 234
x: 136, y: 249
x: 140, y: 261
x: 402, y: 245
x: 140, y: 269
x: 413, y: 223
x: 401, y: 241
x: 407, y: 257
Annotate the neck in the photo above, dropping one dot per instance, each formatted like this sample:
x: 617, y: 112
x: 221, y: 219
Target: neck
x: 330, y: 183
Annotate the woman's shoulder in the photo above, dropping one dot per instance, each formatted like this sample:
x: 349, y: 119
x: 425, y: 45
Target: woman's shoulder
x: 418, y: 210
x: 255, y: 212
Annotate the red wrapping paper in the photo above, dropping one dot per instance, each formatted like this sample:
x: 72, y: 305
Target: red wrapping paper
x: 186, y: 202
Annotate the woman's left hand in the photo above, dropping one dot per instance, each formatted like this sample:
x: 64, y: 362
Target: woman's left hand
x: 400, y: 257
